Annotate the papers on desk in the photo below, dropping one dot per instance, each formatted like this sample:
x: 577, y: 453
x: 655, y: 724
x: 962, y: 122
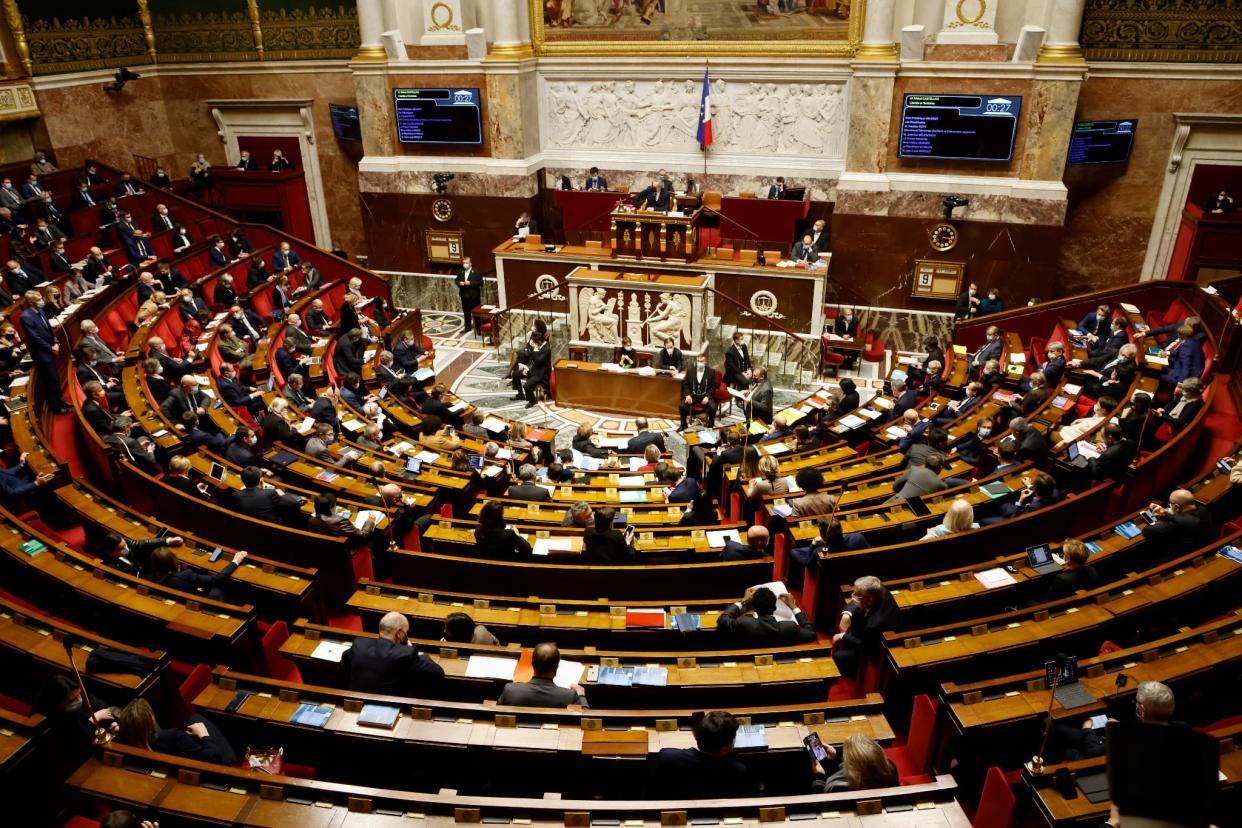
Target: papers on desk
x: 612, y: 442
x: 330, y: 651
x: 543, y: 546
x: 632, y: 496
x: 584, y: 462
x: 568, y: 674
x: 1071, y: 390
x: 312, y: 715
x: 851, y: 421
x: 491, y: 667
x: 646, y: 371
x: 1127, y: 307
x: 20, y: 381
x: 458, y: 406
x: 782, y: 510
x: 307, y: 425
x: 1156, y: 359
x: 1128, y: 530
x: 609, y: 366
x: 884, y: 402
x: 352, y: 425
x: 775, y: 448
x: 426, y: 456
x: 379, y: 715
x: 709, y: 438
x: 636, y: 463
x: 1017, y: 357
x: 631, y: 480
x: 401, y: 448
x: 424, y: 374
x: 651, y: 676
x: 1088, y: 449
x: 716, y: 539
x: 363, y: 515
x: 1232, y: 553
x: 494, y: 424
x: 993, y: 578
x: 491, y: 471
x: 751, y: 736
x: 869, y: 413
x: 757, y: 428
x: 792, y: 483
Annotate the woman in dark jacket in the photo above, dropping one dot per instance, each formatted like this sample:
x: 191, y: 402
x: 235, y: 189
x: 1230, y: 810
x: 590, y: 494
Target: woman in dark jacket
x: 859, y: 765
x: 702, y: 511
x: 495, y: 541
x: 200, y: 741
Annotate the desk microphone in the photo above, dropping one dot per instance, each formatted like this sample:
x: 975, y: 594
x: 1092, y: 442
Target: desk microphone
x: 102, y: 736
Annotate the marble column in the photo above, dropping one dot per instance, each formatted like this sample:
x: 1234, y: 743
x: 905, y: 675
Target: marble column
x: 370, y: 26
x: 871, y: 105
x: 1064, y: 25
x: 375, y: 113
x: 510, y: 33
x: 877, y: 43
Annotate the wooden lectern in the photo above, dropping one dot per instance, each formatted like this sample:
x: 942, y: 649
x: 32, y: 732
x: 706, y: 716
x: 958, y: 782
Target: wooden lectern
x: 644, y: 234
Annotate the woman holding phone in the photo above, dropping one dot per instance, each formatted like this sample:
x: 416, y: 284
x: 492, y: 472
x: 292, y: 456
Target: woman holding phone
x: 859, y: 765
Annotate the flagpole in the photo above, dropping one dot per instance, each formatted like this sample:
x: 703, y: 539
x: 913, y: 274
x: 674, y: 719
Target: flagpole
x: 706, y: 69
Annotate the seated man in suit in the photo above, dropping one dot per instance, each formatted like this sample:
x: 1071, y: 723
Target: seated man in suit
x: 1053, y: 367
x: 871, y: 612
x: 219, y: 255
x: 1111, y: 342
x: 1114, y: 461
x: 1186, y: 404
x: 542, y: 690
x: 905, y: 398
x: 234, y: 393
x: 777, y: 190
x: 707, y: 771
x: 527, y: 489
x: 919, y: 480
x: 1032, y: 444
x: 669, y: 357
x: 804, y: 250
x: 1181, y: 526
x: 595, y: 182
x: 755, y: 547
x: 677, y: 487
x: 1096, y: 323
x: 534, y: 372
x: 1113, y: 372
x: 1185, y: 356
x: 955, y: 409
x: 389, y: 664
x: 654, y: 197
x: 187, y: 397
x: 698, y: 387
x: 270, y: 504
x: 407, y: 352
x: 639, y: 442
x: 991, y: 350
x: 763, y: 629
x: 605, y: 545
x: 285, y: 259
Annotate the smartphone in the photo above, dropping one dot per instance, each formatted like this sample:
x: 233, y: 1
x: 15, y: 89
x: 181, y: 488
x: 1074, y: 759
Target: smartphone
x: 629, y: 533
x: 217, y: 472
x: 816, y: 747
x: 1099, y: 721
x: 933, y: 406
x: 215, y: 555
x: 1147, y: 516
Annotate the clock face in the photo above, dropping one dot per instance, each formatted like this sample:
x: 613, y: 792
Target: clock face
x: 442, y: 209
x: 943, y: 237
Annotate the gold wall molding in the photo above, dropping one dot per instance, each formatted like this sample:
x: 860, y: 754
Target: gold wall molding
x: 144, y: 14
x: 1163, y: 30
x: 204, y: 37
x: 18, y: 28
x: 256, y: 30
x: 75, y: 45
x: 17, y: 101
x: 316, y: 32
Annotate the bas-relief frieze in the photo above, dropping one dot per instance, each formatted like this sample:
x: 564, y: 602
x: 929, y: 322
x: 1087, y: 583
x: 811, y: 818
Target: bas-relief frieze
x: 792, y: 120
x: 1163, y: 30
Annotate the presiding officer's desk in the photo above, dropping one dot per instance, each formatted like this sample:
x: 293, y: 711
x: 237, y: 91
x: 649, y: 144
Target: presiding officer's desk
x: 166, y: 789
x: 584, y: 385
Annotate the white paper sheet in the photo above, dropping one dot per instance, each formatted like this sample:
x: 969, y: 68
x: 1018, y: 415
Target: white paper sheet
x: 491, y: 667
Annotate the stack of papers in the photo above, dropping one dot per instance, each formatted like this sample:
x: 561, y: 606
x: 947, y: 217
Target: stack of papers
x: 491, y: 667
x: 364, y: 515
x: 426, y: 456
x: 851, y: 421
x: 993, y: 578
x: 783, y: 612
x: 631, y: 480
x: 543, y: 546
x: 494, y: 424
x: 716, y: 539
x: 330, y: 651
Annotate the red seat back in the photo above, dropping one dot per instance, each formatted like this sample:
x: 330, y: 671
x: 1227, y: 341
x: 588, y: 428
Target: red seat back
x: 922, y: 730
x: 195, y: 683
x: 278, y: 667
x: 997, y: 802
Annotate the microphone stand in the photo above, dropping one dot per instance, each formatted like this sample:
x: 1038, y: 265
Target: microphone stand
x: 1035, y: 767
x: 102, y: 736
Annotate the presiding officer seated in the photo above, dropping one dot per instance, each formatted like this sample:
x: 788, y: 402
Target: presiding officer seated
x: 655, y: 197
x: 390, y: 665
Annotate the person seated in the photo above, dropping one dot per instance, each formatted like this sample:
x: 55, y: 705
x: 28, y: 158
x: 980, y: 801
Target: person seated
x: 1187, y: 402
x: 246, y: 323
x: 1221, y: 201
x: 279, y: 163
x: 1154, y: 703
x: 755, y: 547
x: 583, y: 443
x: 959, y: 517
x: 595, y: 182
x: 496, y: 540
x: 626, y: 356
x: 1078, y: 428
x: 991, y: 303
x: 317, y: 323
x: 698, y: 387
x: 1032, y: 444
x: 919, y: 480
x: 831, y: 538
x: 1032, y: 400
x: 201, y: 740
x: 991, y: 376
x: 526, y: 488
x: 438, y: 436
x: 991, y: 349
x: 1182, y: 525
x: 644, y: 438
x: 702, y: 511
x: 861, y: 764
x: 407, y: 352
x: 768, y: 481
x: 163, y: 568
x: 1076, y: 573
x: 678, y: 488
x: 268, y: 504
x: 542, y: 689
x: 905, y: 398
x: 669, y: 357
x: 805, y: 439
x: 814, y: 502
x: 1097, y: 323
x: 1037, y: 492
x: 317, y: 447
x: 240, y: 450
x: 460, y: 628
x: 605, y: 545
x: 936, y: 443
x: 762, y: 629
x: 389, y: 664
x: 235, y: 394
x: 779, y: 431
x: 957, y: 408
x: 1113, y: 372
x: 1053, y: 367
x: 709, y: 770
x: 871, y: 612
x: 804, y: 250
x: 328, y: 521
x: 654, y: 197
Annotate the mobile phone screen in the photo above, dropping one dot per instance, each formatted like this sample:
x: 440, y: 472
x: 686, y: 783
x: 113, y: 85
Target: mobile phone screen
x: 217, y: 472
x: 816, y: 747
x: 215, y: 554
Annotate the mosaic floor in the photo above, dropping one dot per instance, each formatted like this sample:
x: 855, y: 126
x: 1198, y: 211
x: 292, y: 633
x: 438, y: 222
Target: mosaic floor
x: 472, y: 371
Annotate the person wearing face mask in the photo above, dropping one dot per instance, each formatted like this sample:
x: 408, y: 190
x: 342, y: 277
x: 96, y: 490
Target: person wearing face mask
x: 991, y: 350
x: 246, y: 323
x: 41, y: 341
x: 200, y: 170
x: 22, y: 278
x: 1075, y: 430
x: 847, y: 326
x: 1096, y: 323
x: 237, y: 395
x: 10, y: 197
x: 967, y: 303
x: 388, y: 664
x: 992, y: 303
x: 241, y: 448
x: 41, y: 166
x: 469, y: 290
x: 82, y: 198
x: 698, y: 387
x: 163, y: 219
x: 156, y: 384
x: 87, y: 369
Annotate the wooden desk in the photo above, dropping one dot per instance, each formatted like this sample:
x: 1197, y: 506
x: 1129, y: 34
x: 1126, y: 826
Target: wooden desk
x: 584, y: 385
x: 644, y: 233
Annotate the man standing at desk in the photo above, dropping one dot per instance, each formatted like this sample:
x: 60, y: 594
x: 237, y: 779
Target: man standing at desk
x: 698, y: 388
x: 595, y: 182
x: 469, y: 287
x: 655, y: 197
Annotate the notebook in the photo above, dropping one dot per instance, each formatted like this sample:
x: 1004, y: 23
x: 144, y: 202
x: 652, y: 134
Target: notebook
x: 1128, y: 530
x: 312, y: 715
x: 685, y: 622
x: 996, y: 489
x: 379, y: 715
x: 615, y: 676
x: 750, y: 736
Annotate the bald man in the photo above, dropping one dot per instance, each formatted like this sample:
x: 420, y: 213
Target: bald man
x: 401, y: 519
x: 1181, y: 526
x: 389, y: 664
x: 755, y: 547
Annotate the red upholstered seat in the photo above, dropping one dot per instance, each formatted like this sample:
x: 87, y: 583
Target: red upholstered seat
x: 279, y: 667
x: 875, y: 349
x: 914, y: 758
x: 195, y: 683
x: 996, y: 803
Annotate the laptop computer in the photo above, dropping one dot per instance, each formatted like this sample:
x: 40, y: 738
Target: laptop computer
x: 1076, y: 457
x: 1039, y: 558
x: 1067, y: 690
x: 917, y: 506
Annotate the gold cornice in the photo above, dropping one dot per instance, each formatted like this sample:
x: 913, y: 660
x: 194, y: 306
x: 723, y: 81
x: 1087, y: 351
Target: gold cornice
x: 256, y: 27
x: 372, y: 53
x: 14, y: 17
x: 511, y: 51
x: 695, y: 48
x: 148, y: 32
x: 876, y: 52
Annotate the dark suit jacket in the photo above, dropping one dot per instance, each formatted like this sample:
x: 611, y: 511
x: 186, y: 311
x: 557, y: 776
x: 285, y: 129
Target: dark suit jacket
x: 96, y: 417
x: 916, y: 482
x: 685, y: 773
x: 605, y: 548
x: 1189, y: 411
x: 1186, y: 361
x: 1092, y: 324
x: 1068, y: 581
x: 178, y: 402
x: 1110, y: 343
x: 653, y: 200
x: 264, y: 504
x: 684, y: 491
x: 690, y: 387
x: 500, y: 544
x: 866, y: 634
x: 347, y: 356
x: 1179, y: 533
x: 734, y: 551
x: 804, y: 252
x: 595, y: 182
x: 1034, y: 447
x: 735, y: 364
x: 540, y: 364
x: 842, y: 328
x: 474, y: 283
x: 276, y: 429
x: 1112, y: 462
x: 1053, y: 369
x: 377, y: 665
x: 669, y: 361
x: 218, y: 257
x: 990, y: 350
x: 765, y: 631
x: 529, y: 492
x: 639, y: 442
x: 539, y: 692
x: 776, y: 191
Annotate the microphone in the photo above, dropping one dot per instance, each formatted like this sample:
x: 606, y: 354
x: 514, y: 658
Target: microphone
x: 102, y: 735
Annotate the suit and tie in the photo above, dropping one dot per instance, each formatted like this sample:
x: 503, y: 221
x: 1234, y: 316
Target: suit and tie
x: 82, y: 198
x: 597, y: 183
x: 178, y: 402
x: 820, y: 240
x: 764, y: 630
x: 125, y: 188
x: 377, y: 665
x: 803, y: 252
x: 760, y: 407
x: 653, y: 198
x: 737, y: 363
x: 530, y: 492
x: 32, y: 190
x: 163, y: 221
x: 776, y: 191
x: 282, y: 261
x: 639, y: 442
x: 24, y: 278
x: 699, y: 385
x: 1186, y: 360
x: 218, y: 257
x: 990, y: 350
x: 40, y: 340
x: 469, y: 290
x: 670, y: 360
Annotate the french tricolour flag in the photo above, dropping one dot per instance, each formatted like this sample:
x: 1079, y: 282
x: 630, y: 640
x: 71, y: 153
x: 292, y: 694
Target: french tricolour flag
x: 705, y: 115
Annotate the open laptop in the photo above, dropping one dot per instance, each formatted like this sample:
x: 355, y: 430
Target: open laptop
x: 1076, y: 457
x: 1039, y: 558
x: 1068, y: 691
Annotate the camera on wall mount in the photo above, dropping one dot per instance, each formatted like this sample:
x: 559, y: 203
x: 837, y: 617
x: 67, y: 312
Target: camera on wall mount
x: 119, y: 79
x: 441, y: 180
x: 950, y: 202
